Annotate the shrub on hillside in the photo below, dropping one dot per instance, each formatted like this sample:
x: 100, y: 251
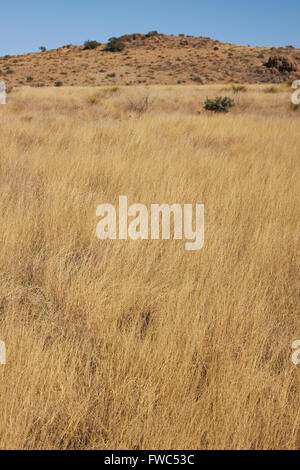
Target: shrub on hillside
x: 115, y: 45
x: 152, y: 33
x: 198, y: 80
x: 280, y: 63
x: 219, y: 104
x: 88, y: 45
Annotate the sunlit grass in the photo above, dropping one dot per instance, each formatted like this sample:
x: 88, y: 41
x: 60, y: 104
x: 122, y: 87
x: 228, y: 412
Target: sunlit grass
x: 143, y: 345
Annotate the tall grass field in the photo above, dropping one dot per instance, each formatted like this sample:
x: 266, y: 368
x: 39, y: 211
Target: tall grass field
x: 123, y: 344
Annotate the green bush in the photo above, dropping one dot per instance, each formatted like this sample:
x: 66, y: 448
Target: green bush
x: 281, y: 63
x: 219, y: 104
x: 58, y: 84
x: 152, y: 33
x: 197, y: 80
x: 88, y: 45
x: 115, y: 45
x: 43, y: 49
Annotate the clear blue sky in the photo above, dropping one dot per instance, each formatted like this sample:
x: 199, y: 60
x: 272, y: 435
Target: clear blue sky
x: 27, y: 25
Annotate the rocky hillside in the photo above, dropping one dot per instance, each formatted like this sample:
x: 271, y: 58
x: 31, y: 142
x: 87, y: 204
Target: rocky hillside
x: 152, y: 59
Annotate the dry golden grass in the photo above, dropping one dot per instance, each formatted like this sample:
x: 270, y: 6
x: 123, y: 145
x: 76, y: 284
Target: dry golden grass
x: 143, y: 345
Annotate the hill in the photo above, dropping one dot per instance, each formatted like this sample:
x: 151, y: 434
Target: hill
x: 153, y: 59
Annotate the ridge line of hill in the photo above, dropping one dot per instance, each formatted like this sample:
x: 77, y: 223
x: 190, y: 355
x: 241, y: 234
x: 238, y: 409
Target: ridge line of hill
x: 151, y: 59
